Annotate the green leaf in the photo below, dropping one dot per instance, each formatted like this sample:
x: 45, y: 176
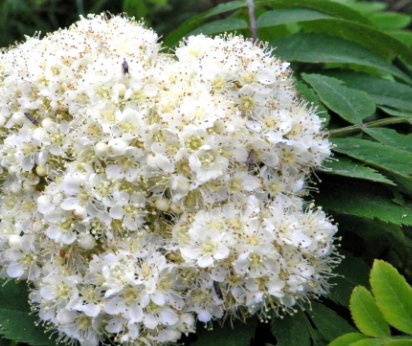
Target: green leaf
x: 370, y: 342
x: 351, y: 104
x: 366, y: 205
x: 382, y: 342
x: 382, y: 156
x: 365, y: 8
x: 348, y: 168
x: 309, y: 95
x: 158, y: 2
x: 5, y: 342
x: 366, y: 314
x: 402, y: 35
x: 391, y: 137
x: 239, y: 335
x: 397, y: 113
x: 135, y: 8
x: 224, y: 8
x: 330, y: 8
x: 351, y: 25
x: 390, y: 20
x: 175, y: 36
x: 398, y: 342
x: 291, y: 330
x: 16, y: 322
x: 384, y: 92
x: 393, y: 295
x: 317, y: 48
x: 285, y: 16
x: 220, y: 26
x: 364, y: 35
x: 328, y: 322
x: 347, y: 339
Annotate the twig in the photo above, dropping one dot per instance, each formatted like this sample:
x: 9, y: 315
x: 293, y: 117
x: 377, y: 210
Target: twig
x: 359, y: 127
x: 252, y: 20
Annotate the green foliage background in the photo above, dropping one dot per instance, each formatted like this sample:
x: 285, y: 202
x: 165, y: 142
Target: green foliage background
x: 353, y: 60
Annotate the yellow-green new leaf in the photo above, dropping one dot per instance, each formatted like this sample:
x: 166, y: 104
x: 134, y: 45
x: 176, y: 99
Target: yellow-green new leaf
x: 369, y: 342
x: 347, y: 339
x: 382, y: 342
x: 366, y: 314
x: 393, y: 295
x: 398, y: 342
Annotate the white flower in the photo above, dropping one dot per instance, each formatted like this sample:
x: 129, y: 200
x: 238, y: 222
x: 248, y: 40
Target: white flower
x: 22, y: 258
x: 143, y: 192
x: 209, y: 240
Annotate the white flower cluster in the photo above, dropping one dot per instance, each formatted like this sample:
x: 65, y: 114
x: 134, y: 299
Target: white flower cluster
x: 143, y: 191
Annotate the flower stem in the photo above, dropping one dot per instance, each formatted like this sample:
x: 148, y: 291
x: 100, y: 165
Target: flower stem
x: 377, y: 123
x: 80, y: 7
x: 252, y: 20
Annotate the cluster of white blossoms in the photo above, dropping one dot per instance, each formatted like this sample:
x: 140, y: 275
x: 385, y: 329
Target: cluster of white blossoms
x: 143, y: 192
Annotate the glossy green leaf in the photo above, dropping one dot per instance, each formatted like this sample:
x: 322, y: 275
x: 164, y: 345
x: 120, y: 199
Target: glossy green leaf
x: 285, y: 16
x: 393, y: 295
x: 220, y: 26
x: 350, y: 104
x: 366, y: 315
x: 239, y: 335
x: 347, y: 339
x: 15, y: 319
x: 387, y: 93
x: 391, y: 137
x: 328, y: 322
x: 291, y: 330
x: 348, y: 168
x: 317, y: 48
x: 382, y: 156
x: 366, y: 205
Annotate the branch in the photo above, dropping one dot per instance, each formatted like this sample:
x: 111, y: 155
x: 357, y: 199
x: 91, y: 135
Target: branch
x: 377, y: 123
x: 252, y: 20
